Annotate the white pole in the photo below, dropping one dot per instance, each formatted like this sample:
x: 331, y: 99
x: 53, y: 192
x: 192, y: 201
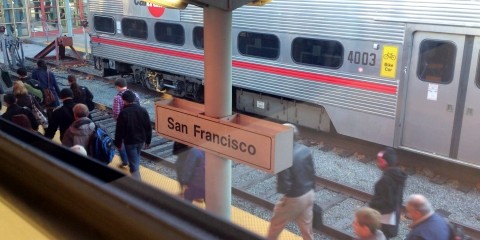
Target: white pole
x: 218, y: 103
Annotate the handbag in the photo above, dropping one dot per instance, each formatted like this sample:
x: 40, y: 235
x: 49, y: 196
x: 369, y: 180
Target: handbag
x: 41, y: 119
x: 48, y: 96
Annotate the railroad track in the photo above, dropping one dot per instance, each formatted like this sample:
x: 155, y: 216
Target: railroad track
x: 161, y: 148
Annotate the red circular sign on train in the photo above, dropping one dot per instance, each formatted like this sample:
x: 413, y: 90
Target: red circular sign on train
x: 155, y: 10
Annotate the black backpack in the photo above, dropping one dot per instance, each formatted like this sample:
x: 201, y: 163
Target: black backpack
x: 456, y: 232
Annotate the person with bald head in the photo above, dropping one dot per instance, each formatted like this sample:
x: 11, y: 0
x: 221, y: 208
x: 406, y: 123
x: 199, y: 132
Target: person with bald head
x: 81, y: 129
x: 297, y: 183
x: 426, y: 224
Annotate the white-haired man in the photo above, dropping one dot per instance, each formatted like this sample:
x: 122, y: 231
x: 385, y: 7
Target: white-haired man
x: 426, y: 225
x: 297, y: 183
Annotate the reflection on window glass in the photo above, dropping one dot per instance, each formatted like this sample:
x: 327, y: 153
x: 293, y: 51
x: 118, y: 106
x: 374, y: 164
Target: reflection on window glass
x: 198, y: 37
x: 104, y: 24
x: 134, y: 28
x: 258, y: 45
x: 436, y: 61
x: 323, y: 53
x: 169, y: 33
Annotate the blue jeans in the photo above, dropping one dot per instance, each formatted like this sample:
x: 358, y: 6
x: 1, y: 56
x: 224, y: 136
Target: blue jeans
x: 133, y: 154
x: 123, y: 155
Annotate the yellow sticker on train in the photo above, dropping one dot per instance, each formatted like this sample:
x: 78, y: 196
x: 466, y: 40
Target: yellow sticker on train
x: 389, y: 61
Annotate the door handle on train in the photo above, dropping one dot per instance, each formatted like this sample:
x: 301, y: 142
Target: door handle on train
x: 449, y: 108
x: 469, y: 112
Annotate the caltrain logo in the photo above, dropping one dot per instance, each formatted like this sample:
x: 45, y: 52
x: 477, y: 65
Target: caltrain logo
x: 155, y: 10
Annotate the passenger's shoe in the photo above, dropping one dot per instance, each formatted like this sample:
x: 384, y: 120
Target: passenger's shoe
x: 124, y: 165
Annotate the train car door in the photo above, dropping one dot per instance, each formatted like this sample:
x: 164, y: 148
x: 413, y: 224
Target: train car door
x: 469, y: 149
x: 435, y: 105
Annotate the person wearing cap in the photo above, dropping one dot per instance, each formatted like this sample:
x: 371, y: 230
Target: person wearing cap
x: 388, y: 193
x: 297, y: 183
x: 62, y: 117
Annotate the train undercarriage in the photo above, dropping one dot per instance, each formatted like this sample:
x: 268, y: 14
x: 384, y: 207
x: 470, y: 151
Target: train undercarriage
x: 159, y: 81
x: 271, y: 106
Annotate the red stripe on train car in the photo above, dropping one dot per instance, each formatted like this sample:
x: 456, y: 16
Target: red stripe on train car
x: 376, y: 87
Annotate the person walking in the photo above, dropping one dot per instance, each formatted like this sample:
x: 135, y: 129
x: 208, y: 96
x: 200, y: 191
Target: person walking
x: 81, y: 94
x: 47, y: 81
x: 388, y: 193
x: 13, y: 109
x: 426, y: 225
x: 367, y: 224
x: 62, y: 117
x: 191, y: 175
x: 24, y: 98
x: 33, y: 86
x: 117, y: 106
x: 81, y: 129
x: 133, y: 131
x: 297, y: 183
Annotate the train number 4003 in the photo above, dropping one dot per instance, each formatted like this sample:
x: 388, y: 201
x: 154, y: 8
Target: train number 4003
x: 363, y: 58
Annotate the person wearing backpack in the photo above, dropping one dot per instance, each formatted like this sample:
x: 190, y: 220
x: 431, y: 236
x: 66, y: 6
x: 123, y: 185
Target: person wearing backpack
x: 13, y: 109
x: 62, y: 117
x: 426, y: 225
x: 82, y: 128
x: 81, y: 94
x: 133, y: 131
x: 33, y: 86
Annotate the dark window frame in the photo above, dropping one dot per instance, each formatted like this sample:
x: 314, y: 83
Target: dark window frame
x: 175, y: 35
x: 134, y: 36
x: 421, y: 74
x: 202, y: 40
x: 102, y: 16
x: 340, y: 56
x: 245, y: 53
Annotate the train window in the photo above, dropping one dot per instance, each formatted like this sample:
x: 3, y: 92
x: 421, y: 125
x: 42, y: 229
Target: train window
x: 104, y: 24
x: 169, y: 33
x: 134, y: 28
x: 322, y: 53
x: 198, y: 37
x: 436, y: 61
x: 259, y: 45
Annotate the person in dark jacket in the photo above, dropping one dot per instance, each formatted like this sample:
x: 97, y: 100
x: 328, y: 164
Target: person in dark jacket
x: 426, y: 225
x: 47, y: 80
x: 181, y: 150
x: 81, y: 129
x: 81, y: 94
x: 134, y: 130
x: 13, y: 109
x: 62, y: 117
x: 191, y: 175
x: 24, y: 98
x: 297, y: 183
x: 33, y: 86
x: 388, y: 193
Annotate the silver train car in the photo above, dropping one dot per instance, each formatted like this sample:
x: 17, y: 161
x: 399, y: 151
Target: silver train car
x: 401, y: 73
